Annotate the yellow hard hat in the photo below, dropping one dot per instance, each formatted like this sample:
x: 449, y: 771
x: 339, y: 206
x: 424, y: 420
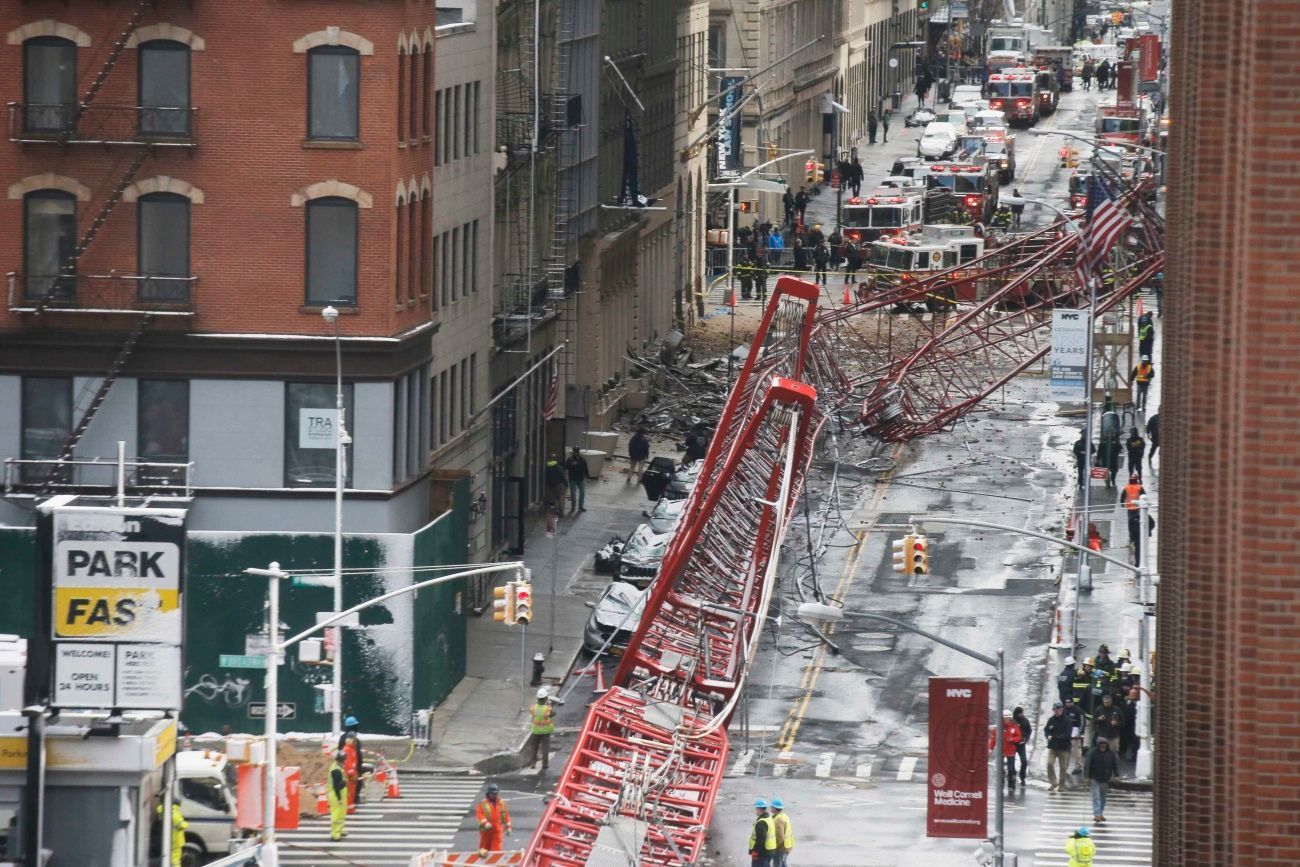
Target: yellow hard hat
x: 1090, y: 662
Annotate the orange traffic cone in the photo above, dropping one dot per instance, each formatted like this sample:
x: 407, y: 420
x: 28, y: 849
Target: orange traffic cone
x: 847, y: 299
x: 730, y: 300
x: 394, y: 790
x: 600, y: 679
x: 322, y: 803
x: 1139, y: 308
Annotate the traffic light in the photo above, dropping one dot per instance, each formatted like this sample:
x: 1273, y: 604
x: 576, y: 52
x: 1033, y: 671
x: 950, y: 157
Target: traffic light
x: 810, y: 171
x: 920, y: 555
x: 903, y: 554
x: 744, y: 207
x: 523, y: 603
x: 503, y: 605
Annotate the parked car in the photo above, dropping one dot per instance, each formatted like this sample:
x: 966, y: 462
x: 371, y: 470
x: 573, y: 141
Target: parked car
x: 665, y: 515
x: 937, y: 142
x: 644, y: 551
x: 919, y: 117
x: 608, y: 556
x: 614, y: 617
x: 956, y: 117
x: 965, y: 93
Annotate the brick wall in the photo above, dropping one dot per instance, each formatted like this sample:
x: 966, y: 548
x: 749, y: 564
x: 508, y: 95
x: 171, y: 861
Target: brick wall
x: 249, y: 86
x: 1229, y: 660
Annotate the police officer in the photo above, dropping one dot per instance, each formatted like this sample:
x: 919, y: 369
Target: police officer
x: 762, y: 839
x: 336, y: 793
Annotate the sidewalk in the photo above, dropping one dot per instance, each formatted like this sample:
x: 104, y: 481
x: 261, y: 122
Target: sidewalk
x: 483, y: 723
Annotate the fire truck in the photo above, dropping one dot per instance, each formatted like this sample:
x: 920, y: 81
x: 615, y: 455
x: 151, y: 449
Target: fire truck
x: 902, y: 259
x: 886, y: 211
x: 1121, y: 125
x: 1078, y: 189
x: 1063, y: 56
x: 975, y: 185
x: 1014, y: 93
x: 1047, y: 90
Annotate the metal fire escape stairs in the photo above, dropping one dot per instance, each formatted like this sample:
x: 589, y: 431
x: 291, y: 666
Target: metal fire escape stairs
x: 89, y: 402
x: 567, y: 132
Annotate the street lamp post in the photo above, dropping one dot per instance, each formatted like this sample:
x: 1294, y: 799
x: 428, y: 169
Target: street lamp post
x: 341, y: 439
x: 815, y: 612
x: 274, y: 575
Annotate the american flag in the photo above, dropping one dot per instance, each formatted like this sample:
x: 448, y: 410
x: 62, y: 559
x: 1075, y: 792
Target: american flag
x: 1107, y: 220
x: 551, y: 408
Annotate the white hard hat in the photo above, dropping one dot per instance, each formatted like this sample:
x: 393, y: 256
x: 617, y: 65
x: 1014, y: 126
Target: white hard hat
x: 541, y: 693
x: 1069, y: 660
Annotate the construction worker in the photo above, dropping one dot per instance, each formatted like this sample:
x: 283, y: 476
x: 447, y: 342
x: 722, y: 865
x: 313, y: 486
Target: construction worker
x: 762, y: 839
x: 539, y: 740
x: 1130, y: 497
x: 1146, y: 334
x: 350, y: 744
x: 493, y: 821
x: 1080, y: 848
x: 336, y: 793
x: 784, y: 832
x: 1142, y: 375
x: 178, y: 833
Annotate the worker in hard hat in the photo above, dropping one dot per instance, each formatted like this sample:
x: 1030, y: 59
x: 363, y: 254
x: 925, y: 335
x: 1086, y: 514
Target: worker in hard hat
x: 178, y: 833
x: 350, y: 745
x: 543, y: 726
x: 1080, y: 848
x: 336, y: 793
x: 784, y: 832
x: 762, y: 839
x: 493, y: 820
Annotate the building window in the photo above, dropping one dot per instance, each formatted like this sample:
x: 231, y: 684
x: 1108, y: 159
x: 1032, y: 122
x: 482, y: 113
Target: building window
x: 478, y: 95
x: 310, y: 434
x: 332, y: 251
x: 49, y: 84
x: 437, y: 139
x: 428, y: 91
x: 165, y: 88
x: 163, y: 423
x: 467, y: 256
x: 164, y: 247
x: 46, y: 421
x: 413, y: 94
x: 334, y: 93
x: 426, y: 244
x: 473, y: 383
x: 414, y: 250
x: 444, y: 276
x: 434, y: 395
x: 401, y: 95
x: 399, y: 267
x: 49, y: 244
x: 453, y: 131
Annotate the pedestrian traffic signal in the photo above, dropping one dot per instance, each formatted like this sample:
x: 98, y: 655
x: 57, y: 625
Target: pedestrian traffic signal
x: 744, y: 207
x: 523, y: 603
x: 920, y: 555
x: 503, y: 605
x: 903, y: 554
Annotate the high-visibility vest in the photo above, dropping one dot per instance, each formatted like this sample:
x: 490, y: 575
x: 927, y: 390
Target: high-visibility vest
x: 784, y: 831
x: 1080, y: 850
x: 543, y: 719
x: 769, y: 839
x: 1145, y: 372
x: 493, y: 816
x: 1132, y: 491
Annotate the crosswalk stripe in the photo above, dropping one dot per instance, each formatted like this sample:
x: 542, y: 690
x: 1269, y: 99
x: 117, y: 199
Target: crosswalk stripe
x: 824, y: 764
x: 863, y: 771
x: 1123, y: 840
x: 742, y: 764
x: 905, y: 768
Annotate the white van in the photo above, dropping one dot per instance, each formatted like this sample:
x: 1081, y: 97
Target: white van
x: 207, y: 801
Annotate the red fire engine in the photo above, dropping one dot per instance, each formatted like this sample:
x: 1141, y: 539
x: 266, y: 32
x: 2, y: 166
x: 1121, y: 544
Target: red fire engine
x: 886, y: 211
x: 975, y: 185
x: 908, y: 258
x: 1012, y: 92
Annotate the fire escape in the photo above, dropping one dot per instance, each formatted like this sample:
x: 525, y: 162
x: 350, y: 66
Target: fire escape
x: 562, y: 279
x: 133, y: 132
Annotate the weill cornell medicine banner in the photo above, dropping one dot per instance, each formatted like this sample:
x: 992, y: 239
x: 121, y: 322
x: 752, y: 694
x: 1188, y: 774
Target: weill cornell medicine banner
x: 957, y: 787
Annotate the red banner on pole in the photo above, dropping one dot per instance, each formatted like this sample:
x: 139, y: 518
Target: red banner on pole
x: 957, y: 787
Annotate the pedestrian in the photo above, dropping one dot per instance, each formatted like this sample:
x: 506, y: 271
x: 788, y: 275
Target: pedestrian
x: 1010, y: 738
x: 1142, y: 375
x: 1136, y: 448
x: 872, y: 125
x: 1109, y: 723
x: 1153, y: 434
x: 543, y: 726
x: 493, y: 821
x: 745, y: 271
x: 855, y: 175
x: 801, y: 204
x: 762, y: 838
x: 350, y: 743
x: 787, y: 203
x: 1080, y: 456
x: 821, y: 258
x: 885, y: 118
x: 1100, y: 768
x: 776, y: 241
x: 554, y: 478
x: 1146, y: 334
x: 815, y: 236
x: 852, y: 261
x: 178, y: 833
x: 1088, y: 71
x: 1057, y: 732
x: 1075, y: 716
x: 638, y: 452
x: 1080, y: 848
x: 1065, y: 680
x: 784, y: 832
x: 800, y: 256
x: 1108, y: 451
x: 760, y: 277
x: 1017, y: 207
x: 1129, y: 497
x: 1128, y: 739
x: 576, y: 470
x: 336, y: 795
x: 1103, y: 660
x: 696, y: 446
x: 1022, y: 748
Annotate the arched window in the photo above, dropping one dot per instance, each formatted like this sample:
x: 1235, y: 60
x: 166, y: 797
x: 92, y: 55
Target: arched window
x: 165, y: 88
x: 49, y: 244
x: 332, y: 251
x: 413, y: 93
x: 333, y: 93
x: 399, y: 269
x: 415, y: 247
x: 401, y: 94
x: 163, y: 251
x: 49, y: 84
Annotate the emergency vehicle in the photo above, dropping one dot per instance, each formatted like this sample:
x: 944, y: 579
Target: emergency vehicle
x: 1047, y: 90
x: 975, y: 185
x: 1000, y: 151
x: 1078, y: 189
x: 1063, y: 55
x: 887, y: 211
x: 1121, y: 126
x: 1014, y: 93
x: 901, y: 259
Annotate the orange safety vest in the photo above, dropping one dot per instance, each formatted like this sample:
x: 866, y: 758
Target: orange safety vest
x: 1132, y: 491
x: 1145, y: 372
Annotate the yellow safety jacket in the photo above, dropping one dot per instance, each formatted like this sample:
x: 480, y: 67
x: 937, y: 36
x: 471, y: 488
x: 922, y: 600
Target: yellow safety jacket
x: 178, y: 833
x: 1144, y: 372
x: 543, y: 719
x: 784, y: 831
x: 769, y: 839
x: 1081, y: 850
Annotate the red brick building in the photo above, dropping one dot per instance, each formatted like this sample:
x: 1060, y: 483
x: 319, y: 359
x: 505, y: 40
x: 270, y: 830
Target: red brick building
x: 212, y: 175
x: 1228, y: 670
